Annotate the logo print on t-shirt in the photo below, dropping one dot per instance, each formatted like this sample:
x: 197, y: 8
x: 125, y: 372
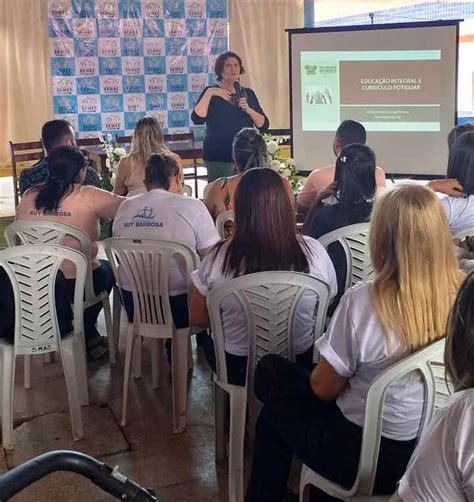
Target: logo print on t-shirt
x: 146, y: 214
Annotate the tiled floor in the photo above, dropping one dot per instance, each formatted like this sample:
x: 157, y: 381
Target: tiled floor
x: 179, y: 467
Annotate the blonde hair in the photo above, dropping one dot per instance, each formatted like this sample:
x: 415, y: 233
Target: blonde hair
x: 416, y: 272
x: 147, y: 139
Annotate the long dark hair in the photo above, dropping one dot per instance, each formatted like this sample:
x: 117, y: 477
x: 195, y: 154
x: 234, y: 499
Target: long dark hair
x: 264, y: 235
x: 249, y: 150
x: 64, y: 165
x: 461, y: 162
x: 355, y: 179
x: 459, y: 350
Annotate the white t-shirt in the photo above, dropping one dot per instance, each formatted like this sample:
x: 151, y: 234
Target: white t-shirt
x: 355, y: 345
x: 460, y: 213
x: 210, y: 275
x: 159, y: 214
x: 442, y: 466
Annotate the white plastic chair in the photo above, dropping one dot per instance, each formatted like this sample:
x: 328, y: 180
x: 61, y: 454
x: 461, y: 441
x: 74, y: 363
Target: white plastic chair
x: 222, y: 219
x: 206, y: 189
x: 354, y: 239
x: 187, y: 191
x: 269, y: 301
x: 32, y: 272
x: 421, y: 361
x: 145, y: 263
x: 52, y: 232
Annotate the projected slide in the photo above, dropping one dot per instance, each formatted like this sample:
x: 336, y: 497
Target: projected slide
x: 385, y: 90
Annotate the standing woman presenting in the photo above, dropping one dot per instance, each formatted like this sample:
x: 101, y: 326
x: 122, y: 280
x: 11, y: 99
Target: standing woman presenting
x: 226, y: 108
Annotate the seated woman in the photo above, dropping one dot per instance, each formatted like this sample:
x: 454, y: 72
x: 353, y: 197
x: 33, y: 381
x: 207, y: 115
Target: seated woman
x: 442, y: 466
x: 459, y: 187
x: 249, y: 150
x: 352, y: 192
x: 264, y: 239
x: 64, y: 199
x: 147, y: 139
x: 405, y: 308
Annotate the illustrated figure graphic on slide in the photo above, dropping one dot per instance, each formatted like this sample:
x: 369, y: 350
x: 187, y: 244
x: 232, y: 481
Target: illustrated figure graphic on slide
x: 318, y: 95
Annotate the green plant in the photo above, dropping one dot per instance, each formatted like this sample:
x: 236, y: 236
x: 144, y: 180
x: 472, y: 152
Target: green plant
x: 114, y: 153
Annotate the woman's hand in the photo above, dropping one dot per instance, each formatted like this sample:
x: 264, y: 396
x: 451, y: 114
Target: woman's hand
x: 219, y: 92
x: 327, y: 192
x: 450, y: 187
x: 244, y: 106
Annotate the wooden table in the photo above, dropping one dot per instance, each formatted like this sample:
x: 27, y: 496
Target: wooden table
x: 185, y: 149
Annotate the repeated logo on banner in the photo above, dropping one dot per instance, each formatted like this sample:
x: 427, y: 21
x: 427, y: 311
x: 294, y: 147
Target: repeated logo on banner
x: 116, y: 61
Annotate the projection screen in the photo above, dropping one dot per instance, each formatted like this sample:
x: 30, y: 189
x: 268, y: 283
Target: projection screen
x: 399, y: 81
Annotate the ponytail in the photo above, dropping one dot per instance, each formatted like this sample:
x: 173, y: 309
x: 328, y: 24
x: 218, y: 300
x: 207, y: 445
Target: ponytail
x: 64, y: 165
x: 249, y: 150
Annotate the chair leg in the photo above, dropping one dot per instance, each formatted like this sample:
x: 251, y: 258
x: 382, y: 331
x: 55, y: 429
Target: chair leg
x: 70, y: 372
x: 109, y: 329
x: 155, y: 362
x: 27, y: 371
x: 116, y: 311
x: 81, y: 368
x: 137, y: 357
x: 220, y: 400
x: 180, y: 373
x: 238, y: 406
x: 7, y: 397
x: 126, y: 373
x: 190, y: 355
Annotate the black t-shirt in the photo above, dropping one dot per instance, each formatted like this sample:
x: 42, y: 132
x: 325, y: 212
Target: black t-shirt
x: 223, y: 121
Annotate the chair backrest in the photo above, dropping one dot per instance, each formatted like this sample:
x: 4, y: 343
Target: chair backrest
x: 270, y: 302
x: 187, y: 191
x: 422, y: 362
x: 51, y: 232
x: 88, y: 142
x: 222, y: 219
x: 23, y: 152
x: 145, y: 263
x: 32, y: 272
x: 206, y: 189
x: 354, y: 240
x: 464, y: 233
x: 182, y: 136
x: 124, y: 140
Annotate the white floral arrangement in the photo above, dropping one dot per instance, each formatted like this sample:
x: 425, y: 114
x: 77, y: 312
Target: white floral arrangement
x: 285, y: 167
x: 114, y: 153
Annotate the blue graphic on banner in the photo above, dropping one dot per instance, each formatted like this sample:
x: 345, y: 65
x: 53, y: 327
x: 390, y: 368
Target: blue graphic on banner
x: 176, y: 46
x: 178, y: 118
x: 115, y: 61
x: 63, y: 67
x: 174, y: 8
x: 61, y: 28
x: 110, y: 66
x: 157, y: 101
x: 130, y: 9
x: 131, y: 118
x: 133, y: 84
x: 197, y: 64
x: 217, y: 8
x: 88, y: 85
x: 108, y: 28
x: 196, y: 27
x: 155, y: 65
x: 199, y: 132
x: 154, y: 28
x: 218, y: 45
x: 132, y: 46
x: 83, y: 8
x: 111, y: 103
x: 90, y: 122
x: 177, y: 83
x: 65, y: 104
x: 85, y: 47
